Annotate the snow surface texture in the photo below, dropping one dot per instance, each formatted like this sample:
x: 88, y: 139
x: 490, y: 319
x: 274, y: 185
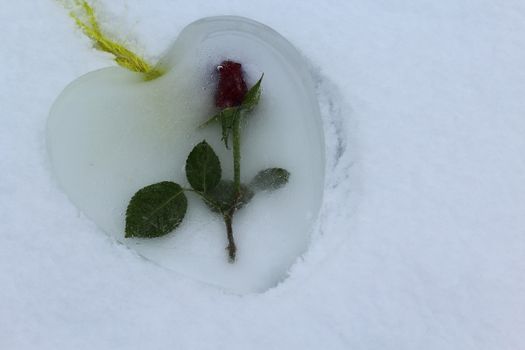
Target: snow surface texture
x: 421, y: 243
x: 111, y: 133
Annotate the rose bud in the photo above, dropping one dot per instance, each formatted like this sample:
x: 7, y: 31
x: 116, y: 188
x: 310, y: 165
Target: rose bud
x: 232, y: 87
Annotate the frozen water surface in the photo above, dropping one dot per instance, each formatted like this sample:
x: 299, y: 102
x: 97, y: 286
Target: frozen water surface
x: 111, y: 133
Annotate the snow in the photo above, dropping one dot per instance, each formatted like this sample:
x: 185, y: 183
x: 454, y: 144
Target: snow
x: 110, y: 133
x: 421, y: 240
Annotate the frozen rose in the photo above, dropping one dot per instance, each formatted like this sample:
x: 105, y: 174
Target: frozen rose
x: 232, y: 87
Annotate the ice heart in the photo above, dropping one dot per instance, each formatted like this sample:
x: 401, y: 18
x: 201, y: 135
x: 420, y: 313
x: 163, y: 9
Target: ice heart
x: 111, y: 133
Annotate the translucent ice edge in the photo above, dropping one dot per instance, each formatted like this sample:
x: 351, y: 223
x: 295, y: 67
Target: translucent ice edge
x: 111, y: 133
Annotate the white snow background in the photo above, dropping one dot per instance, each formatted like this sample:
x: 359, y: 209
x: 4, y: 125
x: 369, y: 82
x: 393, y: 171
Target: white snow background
x: 421, y: 240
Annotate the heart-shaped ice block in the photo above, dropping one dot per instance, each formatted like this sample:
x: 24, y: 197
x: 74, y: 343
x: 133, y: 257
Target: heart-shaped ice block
x: 111, y: 133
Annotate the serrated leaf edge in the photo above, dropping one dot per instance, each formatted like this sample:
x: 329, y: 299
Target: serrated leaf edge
x: 130, y: 234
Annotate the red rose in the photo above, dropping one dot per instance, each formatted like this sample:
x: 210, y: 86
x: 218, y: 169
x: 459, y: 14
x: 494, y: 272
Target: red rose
x: 232, y: 87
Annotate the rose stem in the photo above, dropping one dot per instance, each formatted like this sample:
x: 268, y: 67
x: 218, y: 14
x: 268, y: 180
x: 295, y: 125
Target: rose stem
x: 232, y: 249
x: 237, y: 155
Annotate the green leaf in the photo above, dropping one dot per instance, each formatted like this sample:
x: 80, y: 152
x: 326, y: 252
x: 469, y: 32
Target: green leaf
x: 219, y: 116
x: 203, y: 168
x: 252, y: 97
x: 155, y: 210
x: 227, y: 121
x: 224, y: 199
x: 226, y: 117
x: 213, y: 119
x: 270, y: 179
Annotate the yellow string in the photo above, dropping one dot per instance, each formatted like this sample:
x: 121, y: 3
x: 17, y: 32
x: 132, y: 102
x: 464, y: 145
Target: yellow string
x: 123, y: 56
